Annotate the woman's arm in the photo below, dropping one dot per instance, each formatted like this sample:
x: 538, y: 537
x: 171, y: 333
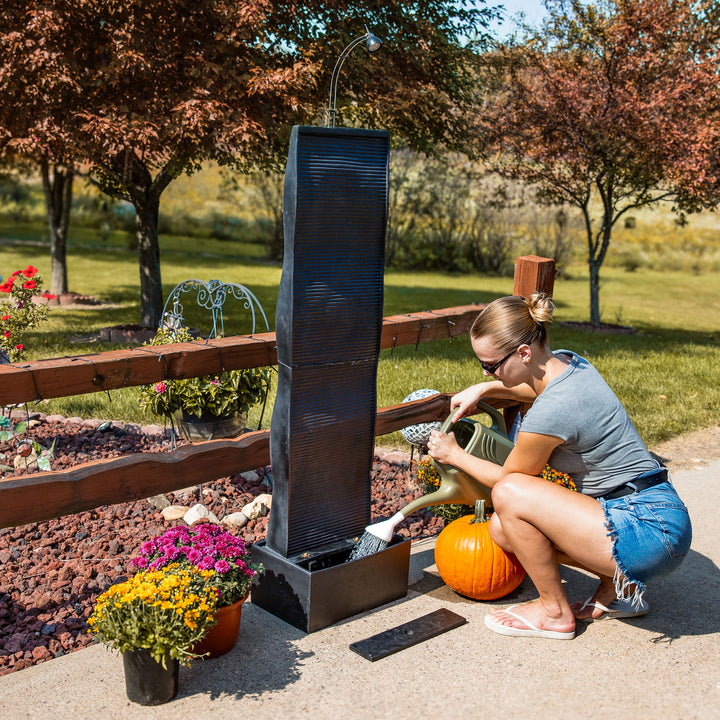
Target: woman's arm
x: 529, y: 456
x: 466, y: 401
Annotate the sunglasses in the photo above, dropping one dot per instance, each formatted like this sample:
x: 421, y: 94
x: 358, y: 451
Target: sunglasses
x: 491, y: 368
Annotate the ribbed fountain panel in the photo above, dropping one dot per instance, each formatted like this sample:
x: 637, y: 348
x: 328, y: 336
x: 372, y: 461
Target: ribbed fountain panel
x: 329, y: 326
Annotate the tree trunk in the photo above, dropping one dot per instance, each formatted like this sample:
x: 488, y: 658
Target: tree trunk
x: 147, y: 209
x: 135, y: 178
x: 58, y: 200
x: 594, y: 293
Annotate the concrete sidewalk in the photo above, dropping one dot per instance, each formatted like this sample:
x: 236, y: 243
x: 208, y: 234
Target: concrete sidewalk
x: 664, y: 665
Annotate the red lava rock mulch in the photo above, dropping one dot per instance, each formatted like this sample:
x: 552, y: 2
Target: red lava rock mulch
x: 53, y: 571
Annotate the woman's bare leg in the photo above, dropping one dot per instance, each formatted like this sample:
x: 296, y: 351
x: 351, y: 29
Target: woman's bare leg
x: 604, y: 593
x: 538, y: 520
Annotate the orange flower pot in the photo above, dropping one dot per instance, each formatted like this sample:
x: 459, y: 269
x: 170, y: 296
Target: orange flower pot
x: 221, y: 637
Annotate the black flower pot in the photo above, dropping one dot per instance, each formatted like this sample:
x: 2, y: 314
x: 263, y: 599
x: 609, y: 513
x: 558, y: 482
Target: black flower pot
x: 147, y: 682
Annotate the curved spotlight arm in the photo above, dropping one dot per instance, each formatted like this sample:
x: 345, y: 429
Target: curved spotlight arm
x: 374, y: 43
x: 336, y: 73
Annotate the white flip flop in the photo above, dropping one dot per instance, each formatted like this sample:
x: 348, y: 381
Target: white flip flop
x: 528, y: 631
x: 618, y: 609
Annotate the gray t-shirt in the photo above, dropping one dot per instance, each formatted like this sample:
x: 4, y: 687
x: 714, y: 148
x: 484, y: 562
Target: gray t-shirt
x: 602, y: 449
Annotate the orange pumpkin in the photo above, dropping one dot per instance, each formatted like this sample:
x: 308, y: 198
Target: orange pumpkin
x: 470, y: 561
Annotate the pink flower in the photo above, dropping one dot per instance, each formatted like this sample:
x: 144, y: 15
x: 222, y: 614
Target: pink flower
x: 222, y: 566
x: 160, y: 387
x: 171, y: 553
x: 207, y: 563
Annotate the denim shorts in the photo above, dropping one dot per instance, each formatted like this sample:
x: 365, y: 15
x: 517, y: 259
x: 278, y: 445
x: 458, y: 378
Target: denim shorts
x: 651, y: 534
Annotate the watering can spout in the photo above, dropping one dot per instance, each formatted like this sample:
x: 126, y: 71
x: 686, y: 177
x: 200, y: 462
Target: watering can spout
x: 384, y: 530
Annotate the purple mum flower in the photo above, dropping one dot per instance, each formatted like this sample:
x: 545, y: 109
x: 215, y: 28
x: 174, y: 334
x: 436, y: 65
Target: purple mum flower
x: 222, y: 566
x: 207, y: 563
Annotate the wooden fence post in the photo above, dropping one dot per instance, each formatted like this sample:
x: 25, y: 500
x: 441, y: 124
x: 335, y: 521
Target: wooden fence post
x: 534, y: 274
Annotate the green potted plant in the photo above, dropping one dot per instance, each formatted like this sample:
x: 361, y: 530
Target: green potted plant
x: 154, y: 619
x: 209, y: 548
x: 208, y: 406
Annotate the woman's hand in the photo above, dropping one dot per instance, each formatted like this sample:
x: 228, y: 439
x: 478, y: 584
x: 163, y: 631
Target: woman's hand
x: 443, y: 447
x: 466, y: 401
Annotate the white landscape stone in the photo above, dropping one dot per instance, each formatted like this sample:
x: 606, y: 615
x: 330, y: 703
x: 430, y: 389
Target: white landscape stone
x: 258, y: 507
x: 199, y: 513
x: 236, y: 519
x: 174, y: 512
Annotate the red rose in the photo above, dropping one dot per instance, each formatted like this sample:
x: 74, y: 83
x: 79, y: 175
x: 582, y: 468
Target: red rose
x: 29, y: 271
x: 29, y: 284
x: 7, y: 333
x: 19, y: 347
x: 5, y: 317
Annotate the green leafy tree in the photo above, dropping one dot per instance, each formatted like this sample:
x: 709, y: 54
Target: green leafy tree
x: 150, y: 90
x: 611, y: 106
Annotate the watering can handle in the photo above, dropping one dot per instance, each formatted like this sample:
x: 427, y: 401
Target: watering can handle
x: 498, y: 422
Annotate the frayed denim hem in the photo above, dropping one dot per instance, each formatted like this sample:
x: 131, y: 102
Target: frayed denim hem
x: 621, y: 579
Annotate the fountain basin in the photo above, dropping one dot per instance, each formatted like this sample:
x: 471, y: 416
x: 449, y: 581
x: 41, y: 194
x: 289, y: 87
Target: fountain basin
x: 315, y: 589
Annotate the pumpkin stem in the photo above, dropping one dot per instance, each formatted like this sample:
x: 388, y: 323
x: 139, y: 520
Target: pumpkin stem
x: 479, y: 512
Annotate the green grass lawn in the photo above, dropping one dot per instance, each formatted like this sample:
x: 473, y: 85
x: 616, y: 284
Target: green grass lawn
x: 665, y: 374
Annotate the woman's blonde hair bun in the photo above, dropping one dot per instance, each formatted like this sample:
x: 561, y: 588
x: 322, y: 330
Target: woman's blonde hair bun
x: 541, y: 307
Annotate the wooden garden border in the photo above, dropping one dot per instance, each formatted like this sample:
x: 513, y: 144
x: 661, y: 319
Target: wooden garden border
x: 41, y: 496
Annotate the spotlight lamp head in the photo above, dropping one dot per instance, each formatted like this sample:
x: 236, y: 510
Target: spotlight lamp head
x: 373, y: 43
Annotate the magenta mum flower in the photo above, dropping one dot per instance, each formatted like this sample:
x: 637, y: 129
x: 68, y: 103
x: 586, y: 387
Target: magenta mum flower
x: 207, y: 563
x: 222, y: 566
x: 160, y: 387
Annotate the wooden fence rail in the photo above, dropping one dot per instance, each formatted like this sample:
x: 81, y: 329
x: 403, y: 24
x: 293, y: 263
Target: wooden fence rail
x: 62, y: 377
x: 41, y: 496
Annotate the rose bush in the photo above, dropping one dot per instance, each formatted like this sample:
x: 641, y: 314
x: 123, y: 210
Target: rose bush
x: 18, y: 312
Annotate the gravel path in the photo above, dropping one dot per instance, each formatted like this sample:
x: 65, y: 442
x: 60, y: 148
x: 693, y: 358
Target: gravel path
x: 53, y: 571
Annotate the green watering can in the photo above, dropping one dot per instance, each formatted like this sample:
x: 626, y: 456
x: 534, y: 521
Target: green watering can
x: 489, y: 442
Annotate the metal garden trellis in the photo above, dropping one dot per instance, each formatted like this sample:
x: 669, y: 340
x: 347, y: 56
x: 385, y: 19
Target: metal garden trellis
x: 212, y: 296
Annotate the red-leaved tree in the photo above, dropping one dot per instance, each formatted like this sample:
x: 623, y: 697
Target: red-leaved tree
x: 611, y: 106
x: 144, y: 91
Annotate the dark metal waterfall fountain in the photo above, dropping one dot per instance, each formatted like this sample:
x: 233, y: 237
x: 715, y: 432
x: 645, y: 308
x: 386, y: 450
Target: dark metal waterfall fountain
x: 329, y: 326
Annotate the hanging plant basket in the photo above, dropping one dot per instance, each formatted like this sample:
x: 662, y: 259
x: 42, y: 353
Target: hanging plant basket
x: 209, y: 427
